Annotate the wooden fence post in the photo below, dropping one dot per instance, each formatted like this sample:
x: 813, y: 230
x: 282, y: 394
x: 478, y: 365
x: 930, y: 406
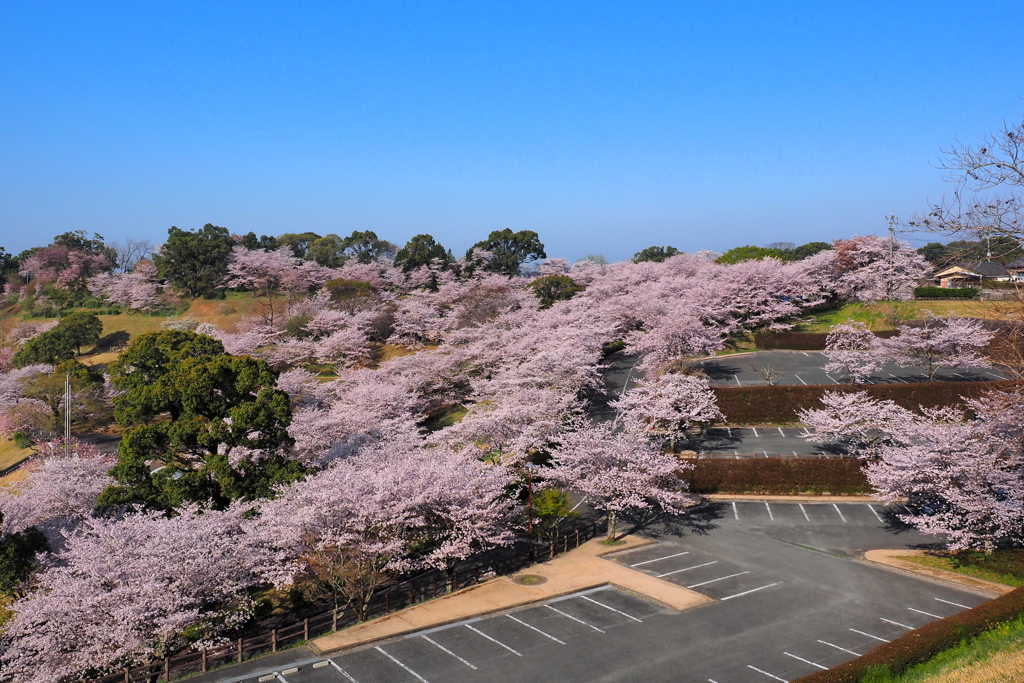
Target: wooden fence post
x: 412, y: 597
x: 387, y: 603
x: 565, y: 543
x: 577, y: 537
x: 204, y: 660
x: 305, y: 628
x: 239, y: 650
x: 273, y: 640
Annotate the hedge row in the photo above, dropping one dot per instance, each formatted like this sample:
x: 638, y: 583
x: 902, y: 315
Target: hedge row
x: 946, y: 293
x: 922, y: 644
x: 779, y: 404
x: 800, y: 341
x: 774, y: 476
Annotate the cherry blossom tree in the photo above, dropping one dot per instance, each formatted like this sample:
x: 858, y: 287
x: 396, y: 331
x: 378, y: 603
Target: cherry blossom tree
x: 124, y: 592
x: 668, y: 404
x: 864, y: 270
x: 60, y: 490
x: 852, y: 349
x: 270, y: 273
x: 617, y: 471
x: 962, y: 478
x: 138, y: 290
x: 855, y: 421
x: 939, y: 343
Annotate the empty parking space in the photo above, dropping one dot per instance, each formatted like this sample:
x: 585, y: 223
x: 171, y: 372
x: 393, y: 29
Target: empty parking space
x: 780, y: 610
x: 808, y: 367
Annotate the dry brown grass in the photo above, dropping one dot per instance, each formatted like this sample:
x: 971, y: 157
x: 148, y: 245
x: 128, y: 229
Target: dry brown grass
x: 1006, y: 666
x: 10, y: 453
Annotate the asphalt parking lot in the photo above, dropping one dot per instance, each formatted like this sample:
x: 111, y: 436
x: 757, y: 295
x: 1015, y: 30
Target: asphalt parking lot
x: 757, y: 442
x: 808, y: 367
x: 790, y: 600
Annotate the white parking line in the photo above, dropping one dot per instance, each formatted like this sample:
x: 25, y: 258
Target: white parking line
x: 569, y: 616
x: 877, y: 516
x: 781, y: 432
x: 750, y: 666
x: 659, y: 559
x: 907, y: 509
x: 416, y: 675
x: 834, y: 380
x: 955, y: 604
x: 735, y: 512
x: 755, y: 432
x: 341, y: 671
x: 958, y: 374
x: 765, y: 453
x: 927, y: 614
x: 737, y: 378
x: 896, y: 623
x: 720, y: 578
x: 839, y: 512
x: 769, y: 508
x: 801, y: 380
x: 497, y: 642
x: 752, y: 590
x: 869, y: 635
x: 804, y: 511
x: 534, y: 628
x: 444, y: 649
x: 729, y: 429
x: 686, y: 569
x: 794, y: 453
x: 825, y: 642
x: 806, y: 661
x: 898, y: 378
x: 628, y: 616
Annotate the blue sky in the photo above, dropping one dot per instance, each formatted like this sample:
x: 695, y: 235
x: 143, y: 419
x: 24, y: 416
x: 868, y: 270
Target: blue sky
x: 605, y: 127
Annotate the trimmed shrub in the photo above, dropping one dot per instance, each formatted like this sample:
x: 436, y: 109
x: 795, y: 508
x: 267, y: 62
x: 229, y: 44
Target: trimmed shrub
x: 779, y: 404
x: 774, y: 476
x: 946, y: 293
x: 801, y: 341
x: 922, y: 644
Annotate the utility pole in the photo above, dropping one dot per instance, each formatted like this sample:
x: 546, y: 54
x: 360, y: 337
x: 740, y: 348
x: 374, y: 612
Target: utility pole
x: 891, y: 218
x: 67, y: 416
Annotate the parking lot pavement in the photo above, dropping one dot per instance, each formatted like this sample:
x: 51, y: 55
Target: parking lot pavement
x: 808, y: 367
x: 768, y: 442
x: 783, y: 609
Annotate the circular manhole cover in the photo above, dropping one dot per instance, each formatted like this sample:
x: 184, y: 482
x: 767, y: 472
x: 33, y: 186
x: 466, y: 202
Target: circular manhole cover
x: 530, y: 579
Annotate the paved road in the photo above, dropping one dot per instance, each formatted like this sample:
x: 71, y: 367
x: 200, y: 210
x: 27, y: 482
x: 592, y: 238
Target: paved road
x: 789, y: 600
x: 808, y: 367
x: 757, y: 442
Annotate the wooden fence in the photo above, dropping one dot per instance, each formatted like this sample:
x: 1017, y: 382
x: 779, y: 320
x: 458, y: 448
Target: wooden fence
x: 429, y: 585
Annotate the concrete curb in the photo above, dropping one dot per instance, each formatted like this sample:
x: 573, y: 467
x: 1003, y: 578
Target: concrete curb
x: 890, y: 559
x: 580, y: 570
x: 757, y: 498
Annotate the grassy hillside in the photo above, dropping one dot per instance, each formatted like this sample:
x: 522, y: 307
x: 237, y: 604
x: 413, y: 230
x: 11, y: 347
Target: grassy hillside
x: 996, y: 656
x: 878, y: 316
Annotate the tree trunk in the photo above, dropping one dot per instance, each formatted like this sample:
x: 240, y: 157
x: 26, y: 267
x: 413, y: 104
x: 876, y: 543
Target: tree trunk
x: 611, y: 526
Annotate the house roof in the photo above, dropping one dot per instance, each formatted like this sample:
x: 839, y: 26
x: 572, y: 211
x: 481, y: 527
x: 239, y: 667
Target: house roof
x: 975, y: 268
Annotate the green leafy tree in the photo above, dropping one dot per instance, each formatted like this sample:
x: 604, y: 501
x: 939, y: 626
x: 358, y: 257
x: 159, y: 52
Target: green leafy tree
x: 18, y: 558
x: 749, y: 253
x: 83, y: 329
x: 351, y: 295
x: 420, y: 251
x: 509, y: 250
x: 298, y: 242
x: 366, y: 247
x: 194, y: 408
x: 657, y: 254
x: 51, y: 347
x: 551, y: 288
x: 264, y: 242
x: 328, y: 251
x: 807, y: 250
x: 86, y: 392
x: 195, y: 262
